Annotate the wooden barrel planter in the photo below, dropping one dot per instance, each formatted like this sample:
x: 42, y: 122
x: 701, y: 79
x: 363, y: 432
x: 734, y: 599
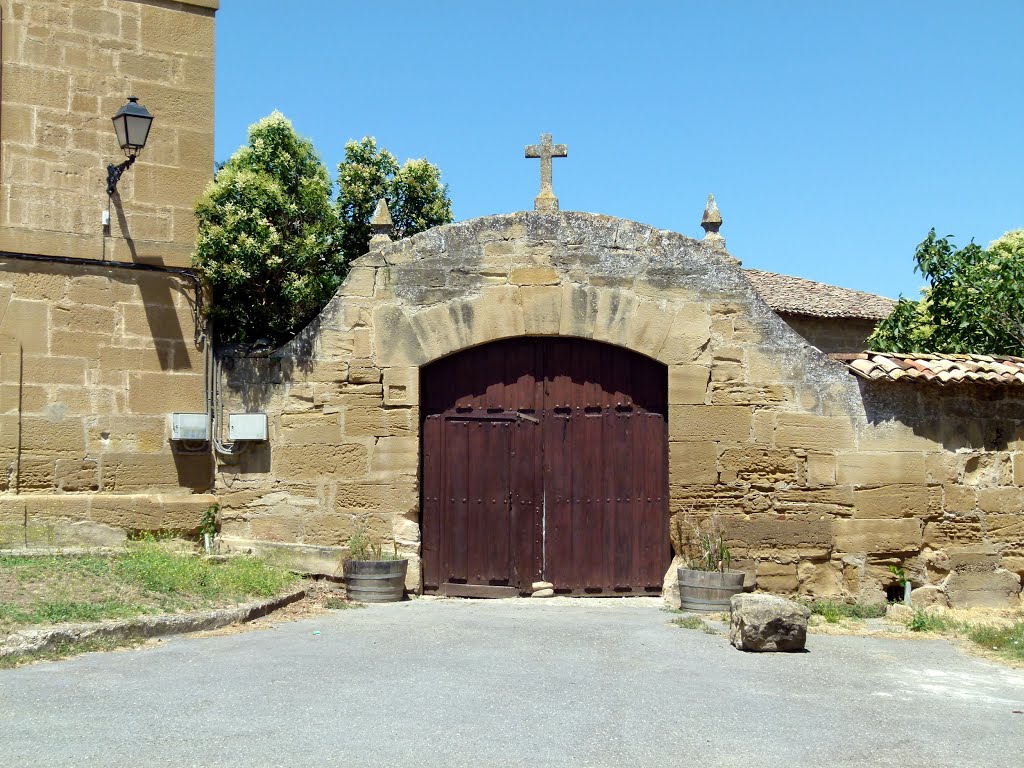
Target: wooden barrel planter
x: 375, y: 581
x: 708, y: 591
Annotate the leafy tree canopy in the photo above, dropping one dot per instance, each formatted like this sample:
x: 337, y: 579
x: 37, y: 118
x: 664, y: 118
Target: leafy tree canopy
x: 268, y: 244
x: 973, y: 304
x: 416, y: 197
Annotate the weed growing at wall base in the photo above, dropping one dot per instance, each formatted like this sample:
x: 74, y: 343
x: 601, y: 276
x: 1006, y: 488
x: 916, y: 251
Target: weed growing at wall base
x: 833, y: 611
x: 1007, y: 641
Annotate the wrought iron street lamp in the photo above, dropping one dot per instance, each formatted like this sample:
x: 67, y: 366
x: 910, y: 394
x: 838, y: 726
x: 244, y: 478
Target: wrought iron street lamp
x: 131, y: 123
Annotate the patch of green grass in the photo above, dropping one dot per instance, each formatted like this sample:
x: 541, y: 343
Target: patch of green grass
x: 57, y: 611
x: 1008, y: 641
x: 340, y: 604
x: 926, y: 622
x: 690, y: 622
x: 34, y: 567
x: 156, y: 569
x: 66, y: 650
x: 147, y: 577
x: 833, y: 611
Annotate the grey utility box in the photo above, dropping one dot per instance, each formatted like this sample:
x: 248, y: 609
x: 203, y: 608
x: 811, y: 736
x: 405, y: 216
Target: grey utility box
x: 247, y: 426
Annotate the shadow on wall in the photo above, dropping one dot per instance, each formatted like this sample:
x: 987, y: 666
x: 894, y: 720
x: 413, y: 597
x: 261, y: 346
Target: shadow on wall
x: 254, y: 378
x: 158, y: 302
x: 196, y: 471
x: 975, y: 417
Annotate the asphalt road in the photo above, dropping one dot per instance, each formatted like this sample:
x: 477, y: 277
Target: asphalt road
x: 511, y: 683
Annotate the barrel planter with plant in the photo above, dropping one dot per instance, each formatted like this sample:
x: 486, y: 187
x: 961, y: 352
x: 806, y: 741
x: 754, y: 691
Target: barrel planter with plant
x: 373, y: 574
x: 707, y: 584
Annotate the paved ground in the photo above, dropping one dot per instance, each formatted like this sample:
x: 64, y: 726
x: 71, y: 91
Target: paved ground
x: 511, y: 683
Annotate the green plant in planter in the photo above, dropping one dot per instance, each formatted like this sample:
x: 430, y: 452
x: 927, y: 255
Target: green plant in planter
x: 372, y: 573
x: 703, y: 547
x: 361, y: 547
x: 707, y: 583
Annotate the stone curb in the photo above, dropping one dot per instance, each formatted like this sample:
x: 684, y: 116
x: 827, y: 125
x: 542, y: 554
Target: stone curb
x: 61, y: 551
x: 37, y: 640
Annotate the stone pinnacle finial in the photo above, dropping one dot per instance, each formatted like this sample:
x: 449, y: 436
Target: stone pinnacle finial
x: 381, y: 224
x: 711, y: 223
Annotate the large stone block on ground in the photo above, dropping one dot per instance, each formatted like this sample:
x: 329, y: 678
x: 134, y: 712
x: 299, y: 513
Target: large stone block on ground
x: 766, y: 623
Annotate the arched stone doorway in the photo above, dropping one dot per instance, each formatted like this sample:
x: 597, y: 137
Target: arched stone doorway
x: 544, y: 459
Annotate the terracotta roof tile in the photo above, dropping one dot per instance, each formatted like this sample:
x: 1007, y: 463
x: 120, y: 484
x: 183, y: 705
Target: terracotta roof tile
x: 798, y: 296
x: 940, y: 369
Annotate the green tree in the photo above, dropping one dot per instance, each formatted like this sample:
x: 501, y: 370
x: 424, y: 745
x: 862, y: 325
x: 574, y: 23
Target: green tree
x: 416, y: 197
x: 269, y: 241
x: 973, y: 303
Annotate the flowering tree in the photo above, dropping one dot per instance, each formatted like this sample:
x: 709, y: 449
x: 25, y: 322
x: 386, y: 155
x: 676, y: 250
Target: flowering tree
x: 416, y: 197
x: 269, y: 241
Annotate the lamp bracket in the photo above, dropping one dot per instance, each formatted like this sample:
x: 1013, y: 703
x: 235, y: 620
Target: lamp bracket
x: 114, y: 173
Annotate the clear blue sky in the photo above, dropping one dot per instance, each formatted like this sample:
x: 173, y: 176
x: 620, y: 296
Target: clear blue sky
x: 833, y: 135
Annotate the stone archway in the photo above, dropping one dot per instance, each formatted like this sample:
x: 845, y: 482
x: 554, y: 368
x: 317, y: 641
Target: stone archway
x: 544, y: 459
x: 820, y: 485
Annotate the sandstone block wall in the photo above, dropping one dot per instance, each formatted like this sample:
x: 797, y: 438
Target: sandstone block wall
x: 67, y: 66
x: 833, y: 334
x: 91, y: 362
x: 820, y: 482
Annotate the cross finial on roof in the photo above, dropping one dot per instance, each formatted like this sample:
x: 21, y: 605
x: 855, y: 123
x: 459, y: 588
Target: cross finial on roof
x: 711, y: 223
x: 546, y: 200
x: 381, y: 224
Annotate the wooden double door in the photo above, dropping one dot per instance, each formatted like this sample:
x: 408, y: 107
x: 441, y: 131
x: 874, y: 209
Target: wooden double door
x: 544, y: 459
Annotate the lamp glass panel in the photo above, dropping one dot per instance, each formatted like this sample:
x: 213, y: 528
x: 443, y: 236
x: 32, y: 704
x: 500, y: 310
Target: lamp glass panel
x: 138, y: 130
x: 122, y: 131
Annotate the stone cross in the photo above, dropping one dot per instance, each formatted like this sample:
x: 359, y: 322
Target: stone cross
x: 546, y: 200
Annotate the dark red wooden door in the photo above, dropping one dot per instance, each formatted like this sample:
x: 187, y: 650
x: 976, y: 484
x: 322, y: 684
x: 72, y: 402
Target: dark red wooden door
x: 545, y: 459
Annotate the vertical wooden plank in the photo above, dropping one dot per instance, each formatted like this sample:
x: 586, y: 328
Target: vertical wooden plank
x: 589, y: 508
x: 639, y: 511
x: 496, y: 532
x: 653, y: 528
x: 626, y: 481
x: 523, y: 507
x: 430, y: 503
x: 455, y: 524
x: 476, y: 491
x: 557, y: 532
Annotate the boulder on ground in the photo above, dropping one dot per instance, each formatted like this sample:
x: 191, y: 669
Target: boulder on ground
x: 767, y: 623
x: 899, y: 612
x: 544, y: 593
x: 670, y: 588
x: 928, y: 594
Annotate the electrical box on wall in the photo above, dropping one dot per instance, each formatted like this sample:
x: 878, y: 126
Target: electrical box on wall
x: 247, y: 426
x: 190, y: 426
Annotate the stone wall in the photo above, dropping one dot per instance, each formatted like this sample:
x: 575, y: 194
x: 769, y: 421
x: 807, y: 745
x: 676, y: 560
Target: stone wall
x: 67, y: 66
x: 833, y: 334
x: 821, y: 483
x: 92, y: 359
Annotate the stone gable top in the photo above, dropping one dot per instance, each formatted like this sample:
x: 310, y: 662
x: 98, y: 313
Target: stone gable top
x: 799, y: 296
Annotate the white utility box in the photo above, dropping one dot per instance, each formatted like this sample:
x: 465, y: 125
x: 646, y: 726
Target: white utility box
x: 247, y: 426
x: 190, y: 426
